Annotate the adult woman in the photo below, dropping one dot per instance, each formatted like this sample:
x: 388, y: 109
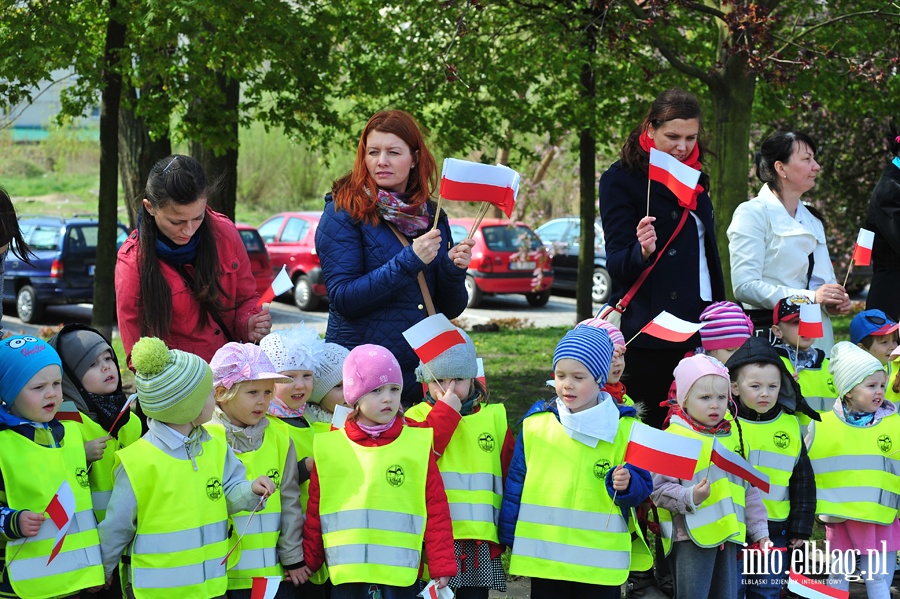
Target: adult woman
x: 674, y: 238
x: 10, y: 238
x: 884, y: 219
x: 777, y: 244
x: 184, y: 274
x: 383, y: 262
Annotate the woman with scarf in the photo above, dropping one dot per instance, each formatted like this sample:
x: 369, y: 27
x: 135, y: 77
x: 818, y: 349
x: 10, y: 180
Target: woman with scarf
x: 386, y: 265
x: 184, y: 275
x: 647, y: 227
x: 884, y: 219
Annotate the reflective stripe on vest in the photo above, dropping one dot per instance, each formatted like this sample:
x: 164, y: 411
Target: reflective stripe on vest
x: 182, y: 540
x: 561, y: 530
x: 164, y: 582
x: 774, y: 449
x: 363, y: 541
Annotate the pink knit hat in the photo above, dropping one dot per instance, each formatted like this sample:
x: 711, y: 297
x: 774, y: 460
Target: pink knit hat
x: 726, y: 326
x: 235, y: 363
x: 615, y: 335
x: 368, y: 367
x: 690, y: 369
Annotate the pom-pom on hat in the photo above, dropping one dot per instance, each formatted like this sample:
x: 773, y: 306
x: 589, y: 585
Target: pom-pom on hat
x: 457, y: 362
x: 368, y: 367
x: 871, y: 322
x: 725, y: 326
x: 590, y: 346
x: 329, y: 372
x: 615, y: 335
x: 235, y: 363
x: 22, y: 357
x: 296, y: 348
x: 850, y: 365
x: 172, y: 385
x: 690, y: 369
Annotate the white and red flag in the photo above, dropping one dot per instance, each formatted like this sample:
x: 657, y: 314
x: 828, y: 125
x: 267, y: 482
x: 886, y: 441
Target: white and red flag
x: 432, y: 337
x: 466, y: 181
x: 734, y: 464
x: 862, y: 253
x: 339, y: 417
x: 281, y: 284
x: 677, y: 176
x: 813, y: 589
x: 124, y: 409
x: 671, y: 328
x: 479, y: 373
x: 432, y: 592
x: 811, y: 321
x: 61, y: 510
x: 662, y: 452
x: 264, y: 587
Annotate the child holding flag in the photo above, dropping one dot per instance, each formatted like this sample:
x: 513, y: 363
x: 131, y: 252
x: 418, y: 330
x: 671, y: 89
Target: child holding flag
x: 39, y: 455
x: 569, y: 497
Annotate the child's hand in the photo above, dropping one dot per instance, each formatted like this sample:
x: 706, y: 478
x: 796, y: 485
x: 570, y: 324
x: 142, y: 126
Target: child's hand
x: 795, y: 543
x: 309, y: 463
x: 700, y: 492
x: 299, y: 576
x: 30, y: 522
x: 621, y: 478
x: 263, y: 486
x: 765, y: 544
x: 442, y: 581
x: 451, y: 399
x: 93, y: 450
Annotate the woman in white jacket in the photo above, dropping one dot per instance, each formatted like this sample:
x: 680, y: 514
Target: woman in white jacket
x: 777, y: 244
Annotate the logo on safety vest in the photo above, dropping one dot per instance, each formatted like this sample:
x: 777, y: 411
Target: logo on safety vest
x: 82, y: 475
x: 601, y: 467
x: 885, y: 443
x: 275, y: 475
x: 395, y: 475
x: 486, y: 442
x: 214, y: 488
x: 781, y: 439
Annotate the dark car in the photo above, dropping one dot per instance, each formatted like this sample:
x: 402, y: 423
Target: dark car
x: 63, y: 270
x: 562, y: 237
x: 290, y: 239
x: 259, y: 257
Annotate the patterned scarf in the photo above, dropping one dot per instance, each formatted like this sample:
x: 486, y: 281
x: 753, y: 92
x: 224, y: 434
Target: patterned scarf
x: 723, y: 428
x: 316, y: 413
x: 469, y: 405
x: 106, y: 408
x: 805, y: 358
x: 279, y: 409
x: 412, y: 220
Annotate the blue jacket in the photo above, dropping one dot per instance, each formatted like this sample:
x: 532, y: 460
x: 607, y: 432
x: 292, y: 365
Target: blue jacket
x: 373, y: 291
x: 638, y: 489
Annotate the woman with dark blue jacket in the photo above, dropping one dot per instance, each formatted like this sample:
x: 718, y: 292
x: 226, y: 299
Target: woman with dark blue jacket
x: 383, y: 261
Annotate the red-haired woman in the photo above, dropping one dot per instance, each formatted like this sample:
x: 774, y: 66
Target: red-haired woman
x: 382, y: 261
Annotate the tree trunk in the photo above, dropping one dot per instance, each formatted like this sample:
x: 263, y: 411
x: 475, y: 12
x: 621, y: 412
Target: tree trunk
x: 104, y: 311
x: 221, y: 165
x: 587, y: 175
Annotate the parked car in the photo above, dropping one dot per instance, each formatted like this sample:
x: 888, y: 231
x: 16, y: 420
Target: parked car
x: 63, y: 270
x: 290, y: 239
x: 562, y: 237
x: 259, y: 257
x: 497, y: 264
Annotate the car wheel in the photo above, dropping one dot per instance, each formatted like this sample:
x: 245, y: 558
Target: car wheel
x: 601, y: 286
x: 539, y: 298
x: 304, y: 297
x: 474, y: 292
x: 27, y: 304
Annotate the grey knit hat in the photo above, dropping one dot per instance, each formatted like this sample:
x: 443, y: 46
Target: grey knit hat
x: 329, y: 371
x: 172, y: 385
x: 850, y: 365
x: 458, y: 362
x: 79, y: 348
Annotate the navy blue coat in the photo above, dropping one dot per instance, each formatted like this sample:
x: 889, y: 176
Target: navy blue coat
x: 373, y: 291
x: 674, y: 283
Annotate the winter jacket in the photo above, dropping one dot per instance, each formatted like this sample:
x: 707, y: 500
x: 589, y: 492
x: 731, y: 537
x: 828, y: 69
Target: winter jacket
x: 239, y: 298
x: 438, y: 541
x: 883, y: 217
x: 673, y: 284
x: 373, y: 290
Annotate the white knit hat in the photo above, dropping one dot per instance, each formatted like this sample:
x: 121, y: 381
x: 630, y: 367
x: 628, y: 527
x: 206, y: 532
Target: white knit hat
x: 850, y: 365
x: 329, y: 371
x: 296, y: 348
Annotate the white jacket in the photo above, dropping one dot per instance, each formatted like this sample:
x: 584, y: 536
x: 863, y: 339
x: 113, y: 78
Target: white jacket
x: 769, y: 252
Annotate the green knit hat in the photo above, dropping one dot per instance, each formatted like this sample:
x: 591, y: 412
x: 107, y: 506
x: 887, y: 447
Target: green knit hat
x: 172, y: 385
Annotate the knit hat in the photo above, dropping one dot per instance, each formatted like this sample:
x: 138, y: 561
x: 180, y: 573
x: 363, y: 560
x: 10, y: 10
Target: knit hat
x: 590, y: 346
x: 368, y: 367
x: 329, y: 372
x: 296, y: 348
x: 850, y: 365
x: 726, y: 326
x: 690, y: 369
x: 457, y: 362
x: 22, y: 357
x: 235, y: 363
x: 78, y: 348
x: 615, y: 335
x: 172, y: 385
x: 871, y: 322
x: 788, y: 308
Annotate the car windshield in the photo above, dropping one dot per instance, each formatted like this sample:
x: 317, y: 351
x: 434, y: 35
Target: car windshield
x: 510, y: 239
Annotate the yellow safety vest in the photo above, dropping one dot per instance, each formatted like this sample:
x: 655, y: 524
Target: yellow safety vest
x: 817, y: 386
x: 372, y: 506
x: 470, y: 467
x: 855, y: 477
x: 889, y: 392
x: 568, y: 527
x: 32, y: 474
x: 720, y: 517
x: 182, y: 521
x: 774, y: 448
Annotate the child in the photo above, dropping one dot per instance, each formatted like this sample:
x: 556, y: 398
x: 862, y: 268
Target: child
x: 244, y: 381
x: 806, y: 363
x: 376, y: 493
x: 705, y: 515
x: 559, y: 510
x: 10, y: 238
x: 614, y: 385
x: 857, y: 486
x: 175, y: 487
x: 328, y: 385
x: 876, y: 333
x: 37, y: 455
x: 473, y: 467
x: 767, y: 399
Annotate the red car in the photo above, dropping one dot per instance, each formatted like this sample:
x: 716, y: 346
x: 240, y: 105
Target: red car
x: 259, y: 258
x: 290, y: 238
x: 507, y: 258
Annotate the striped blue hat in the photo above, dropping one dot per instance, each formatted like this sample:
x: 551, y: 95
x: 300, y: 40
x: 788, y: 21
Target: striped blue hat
x: 590, y: 346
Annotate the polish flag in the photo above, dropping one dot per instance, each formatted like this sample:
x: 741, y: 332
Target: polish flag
x: 733, y: 463
x: 432, y: 337
x: 432, y: 592
x: 264, y: 587
x: 811, y: 321
x: 466, y: 181
x: 61, y: 511
x: 68, y: 411
x: 479, y: 374
x: 677, y: 176
x: 124, y: 409
x: 339, y: 417
x: 671, y: 328
x: 662, y: 452
x: 862, y: 253
x: 281, y: 284
x: 812, y: 589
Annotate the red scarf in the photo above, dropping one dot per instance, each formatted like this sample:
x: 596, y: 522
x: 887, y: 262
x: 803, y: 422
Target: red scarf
x: 692, y: 160
x: 617, y: 390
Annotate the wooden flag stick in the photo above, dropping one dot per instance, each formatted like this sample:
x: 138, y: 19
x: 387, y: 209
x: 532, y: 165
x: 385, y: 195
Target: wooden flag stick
x: 436, y: 382
x: 635, y: 335
x: 480, y: 216
x: 847, y: 276
x: 648, y: 195
x: 437, y: 212
x: 615, y: 492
